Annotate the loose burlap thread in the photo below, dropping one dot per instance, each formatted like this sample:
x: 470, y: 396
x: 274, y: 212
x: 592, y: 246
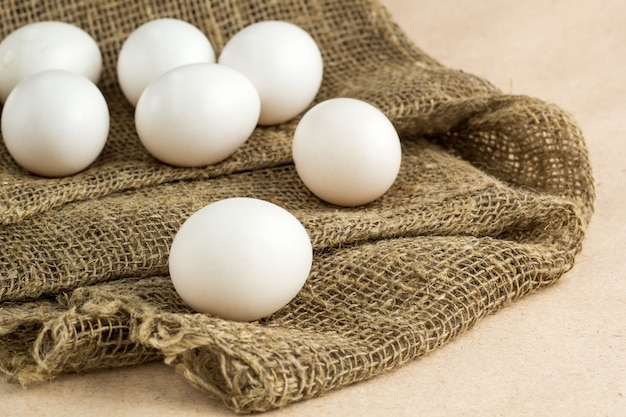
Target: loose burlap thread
x: 492, y: 202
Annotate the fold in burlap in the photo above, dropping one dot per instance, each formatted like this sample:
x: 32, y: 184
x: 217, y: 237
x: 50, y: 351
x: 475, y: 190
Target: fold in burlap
x: 491, y: 203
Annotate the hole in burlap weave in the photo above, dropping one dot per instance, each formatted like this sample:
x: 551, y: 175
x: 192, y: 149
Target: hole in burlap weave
x: 492, y: 202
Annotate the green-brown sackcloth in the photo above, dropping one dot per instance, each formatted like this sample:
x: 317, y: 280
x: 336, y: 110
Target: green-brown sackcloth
x: 492, y: 203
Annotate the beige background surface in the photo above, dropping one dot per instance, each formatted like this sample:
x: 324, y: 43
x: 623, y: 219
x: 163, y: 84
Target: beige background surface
x: 561, y: 352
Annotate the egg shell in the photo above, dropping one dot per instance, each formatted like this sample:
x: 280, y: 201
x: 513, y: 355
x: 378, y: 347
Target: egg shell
x: 156, y: 47
x: 47, y: 45
x: 55, y: 123
x: 346, y: 151
x: 197, y: 114
x: 240, y: 259
x: 283, y: 62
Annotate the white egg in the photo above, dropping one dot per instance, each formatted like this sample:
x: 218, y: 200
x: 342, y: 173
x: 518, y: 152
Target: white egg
x: 43, y: 46
x: 157, y: 47
x: 284, y: 63
x: 346, y: 152
x: 197, y: 114
x: 240, y: 259
x: 55, y: 123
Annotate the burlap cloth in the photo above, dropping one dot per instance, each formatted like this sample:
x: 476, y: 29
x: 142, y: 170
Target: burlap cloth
x: 492, y: 202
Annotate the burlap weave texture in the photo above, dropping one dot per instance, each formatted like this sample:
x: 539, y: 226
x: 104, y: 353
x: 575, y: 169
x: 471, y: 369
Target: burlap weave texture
x: 492, y: 202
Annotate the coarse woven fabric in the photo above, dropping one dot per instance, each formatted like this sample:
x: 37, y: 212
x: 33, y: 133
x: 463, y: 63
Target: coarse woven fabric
x: 492, y: 202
